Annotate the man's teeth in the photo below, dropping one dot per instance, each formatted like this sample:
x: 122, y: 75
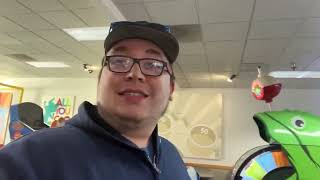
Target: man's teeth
x: 133, y: 94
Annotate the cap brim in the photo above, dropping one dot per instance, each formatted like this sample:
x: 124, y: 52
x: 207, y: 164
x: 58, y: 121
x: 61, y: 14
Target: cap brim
x: 164, y: 40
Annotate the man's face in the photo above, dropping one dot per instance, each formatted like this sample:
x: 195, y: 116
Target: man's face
x: 134, y: 96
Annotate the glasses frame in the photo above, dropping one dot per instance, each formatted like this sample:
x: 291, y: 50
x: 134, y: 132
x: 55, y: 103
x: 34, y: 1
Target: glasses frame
x: 137, y: 61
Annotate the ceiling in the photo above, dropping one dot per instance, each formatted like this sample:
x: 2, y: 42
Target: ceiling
x: 217, y: 38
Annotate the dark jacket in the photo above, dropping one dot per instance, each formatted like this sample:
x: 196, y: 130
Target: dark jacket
x: 87, y: 148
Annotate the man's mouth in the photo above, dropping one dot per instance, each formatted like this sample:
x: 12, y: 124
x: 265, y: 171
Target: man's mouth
x: 129, y: 92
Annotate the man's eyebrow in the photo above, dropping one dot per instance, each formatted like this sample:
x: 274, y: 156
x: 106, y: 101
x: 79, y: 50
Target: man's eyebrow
x: 153, y: 51
x: 120, y: 49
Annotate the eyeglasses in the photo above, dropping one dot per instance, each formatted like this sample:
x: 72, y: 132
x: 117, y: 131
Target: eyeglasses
x: 148, y: 66
x: 155, y: 26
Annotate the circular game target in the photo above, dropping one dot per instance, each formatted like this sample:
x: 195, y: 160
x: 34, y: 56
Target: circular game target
x: 263, y: 163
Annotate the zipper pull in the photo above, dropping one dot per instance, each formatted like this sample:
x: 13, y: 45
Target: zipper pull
x: 156, y: 168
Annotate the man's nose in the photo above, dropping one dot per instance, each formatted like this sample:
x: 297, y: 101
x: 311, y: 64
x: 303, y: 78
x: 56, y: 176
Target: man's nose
x: 135, y: 73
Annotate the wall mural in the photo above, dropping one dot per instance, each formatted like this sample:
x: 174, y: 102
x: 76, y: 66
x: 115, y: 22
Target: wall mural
x: 5, y: 103
x: 193, y: 122
x: 57, y: 109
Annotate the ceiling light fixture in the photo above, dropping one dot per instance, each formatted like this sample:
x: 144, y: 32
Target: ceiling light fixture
x: 88, y: 33
x: 90, y: 68
x: 294, y: 73
x: 47, y: 64
x: 230, y: 79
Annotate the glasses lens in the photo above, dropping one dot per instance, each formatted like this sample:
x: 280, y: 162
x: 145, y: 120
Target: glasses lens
x: 151, y: 67
x: 119, y: 63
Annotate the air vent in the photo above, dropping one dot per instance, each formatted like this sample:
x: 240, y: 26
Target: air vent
x: 21, y: 57
x: 187, y: 33
x: 252, y: 67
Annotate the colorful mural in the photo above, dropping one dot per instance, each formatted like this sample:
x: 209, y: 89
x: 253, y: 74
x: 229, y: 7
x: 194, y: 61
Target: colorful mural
x: 57, y: 109
x: 5, y: 103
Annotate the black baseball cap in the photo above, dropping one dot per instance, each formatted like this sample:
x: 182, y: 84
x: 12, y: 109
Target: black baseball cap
x: 156, y: 33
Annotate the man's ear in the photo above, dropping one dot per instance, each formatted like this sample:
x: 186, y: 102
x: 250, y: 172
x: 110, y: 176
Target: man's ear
x: 172, y: 87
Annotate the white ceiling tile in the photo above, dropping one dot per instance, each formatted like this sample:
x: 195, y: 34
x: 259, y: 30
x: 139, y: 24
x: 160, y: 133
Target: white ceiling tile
x: 17, y: 67
x: 310, y: 28
x: 213, y: 11
x: 261, y: 59
x: 7, y: 25
x: 276, y: 9
x: 176, y: 12
x: 225, y: 51
x: 302, y: 51
x: 192, y: 59
x: 265, y: 48
x: 200, y: 83
x: 43, y: 5
x: 225, y: 31
x: 201, y: 68
x: 55, y: 36
x: 5, y: 39
x: 31, y: 21
x: 127, y: 1
x: 25, y: 36
x: 315, y: 66
x: 22, y: 49
x: 4, y: 50
x: 223, y: 84
x: 224, y: 56
x: 12, y: 7
x: 45, y: 47
x: 134, y: 11
x: 95, y: 16
x: 63, y: 19
x: 315, y: 12
x: 191, y: 48
x: 78, y: 4
x: 97, y: 46
x: 80, y: 51
x: 301, y: 46
x: 273, y: 29
x: 219, y: 67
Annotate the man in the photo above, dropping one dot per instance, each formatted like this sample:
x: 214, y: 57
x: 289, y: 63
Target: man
x: 118, y: 138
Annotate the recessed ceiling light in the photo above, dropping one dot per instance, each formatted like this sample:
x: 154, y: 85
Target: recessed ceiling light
x: 47, y: 64
x: 295, y: 74
x: 88, y: 33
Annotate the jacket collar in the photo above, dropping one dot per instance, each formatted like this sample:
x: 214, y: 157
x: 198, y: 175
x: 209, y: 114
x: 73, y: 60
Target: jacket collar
x: 89, y: 120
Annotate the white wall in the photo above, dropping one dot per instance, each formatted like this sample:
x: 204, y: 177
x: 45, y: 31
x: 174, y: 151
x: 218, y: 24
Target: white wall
x: 240, y: 131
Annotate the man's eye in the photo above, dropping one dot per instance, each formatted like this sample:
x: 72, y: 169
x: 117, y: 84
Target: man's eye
x: 151, y: 65
x: 120, y: 62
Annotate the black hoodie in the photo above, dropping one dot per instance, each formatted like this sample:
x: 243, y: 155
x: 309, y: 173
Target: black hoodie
x: 87, y: 148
